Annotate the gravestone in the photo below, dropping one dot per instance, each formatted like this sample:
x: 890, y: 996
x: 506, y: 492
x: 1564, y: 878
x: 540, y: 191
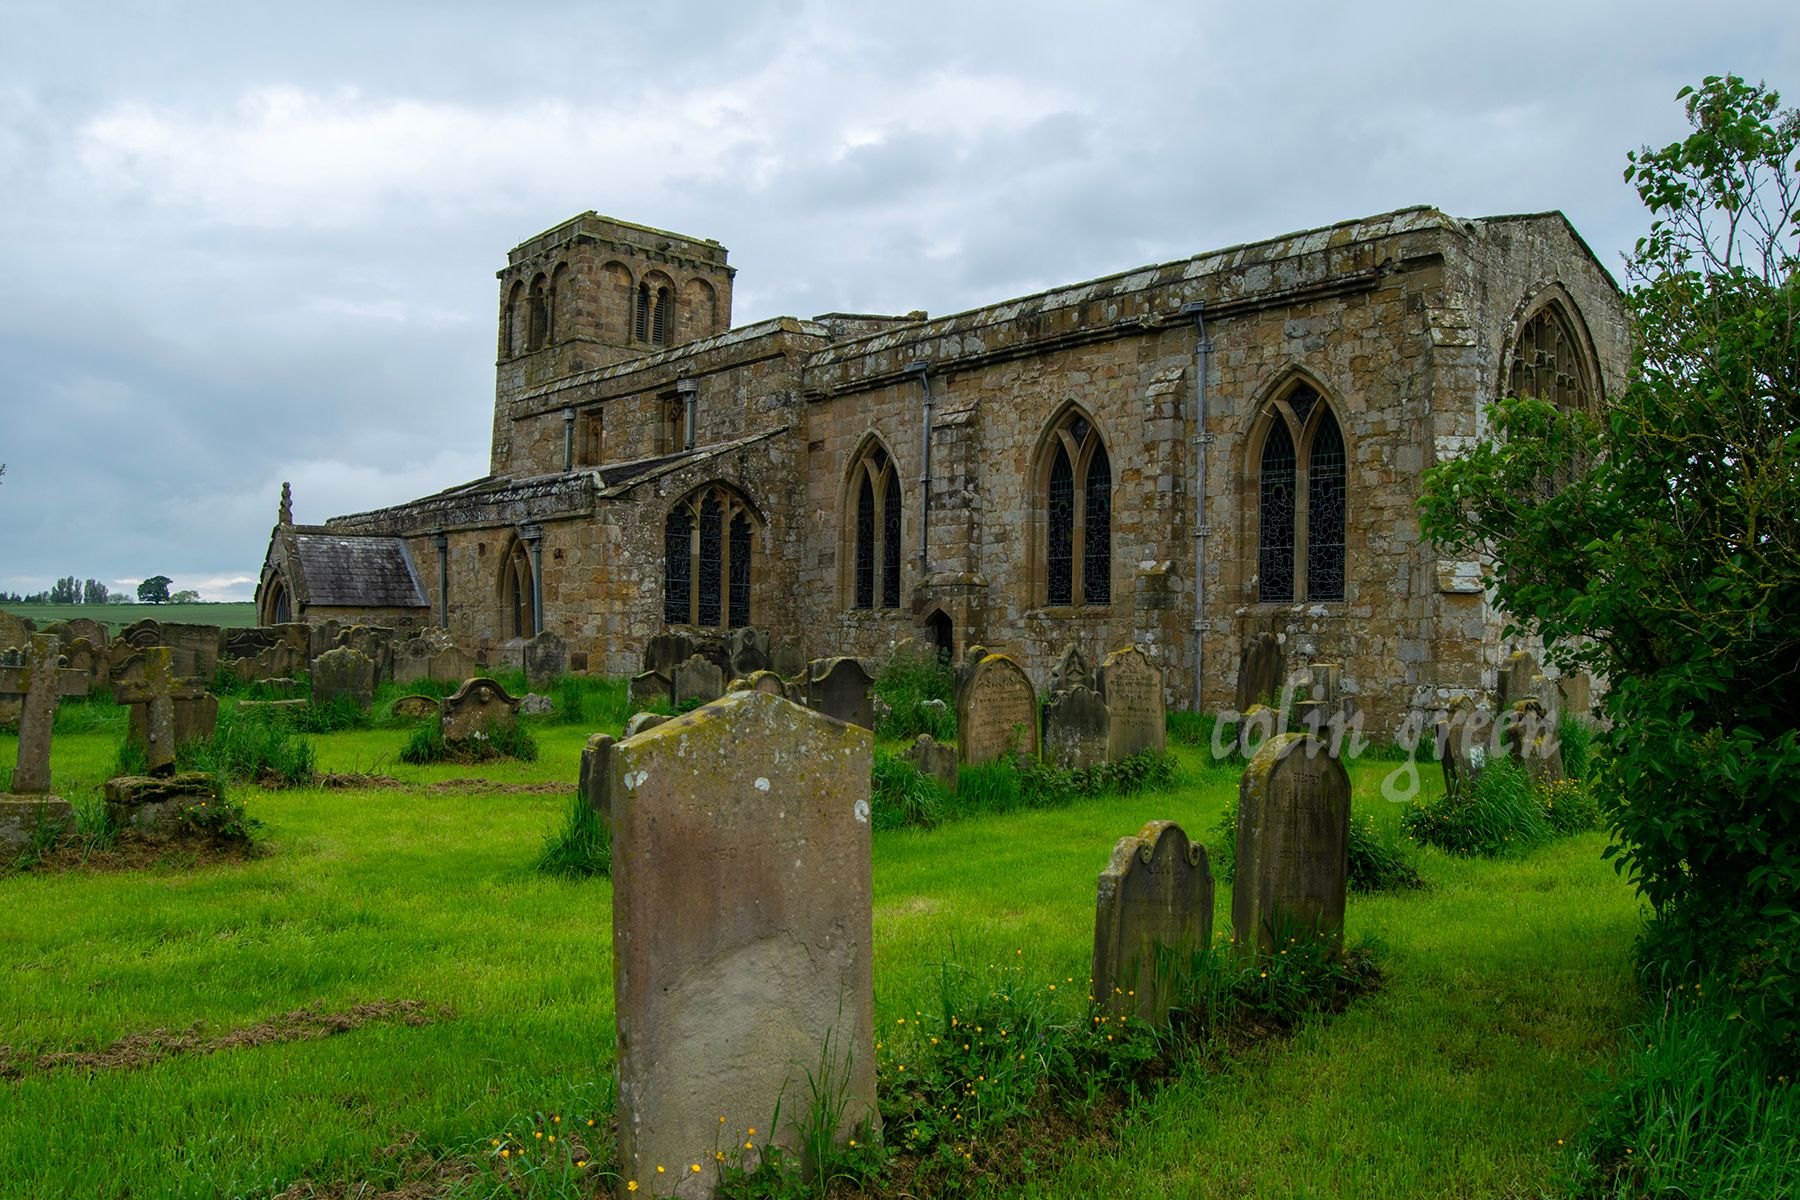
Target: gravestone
x: 155, y: 804
x: 934, y: 758
x: 416, y: 708
x: 786, y: 657
x: 965, y: 670
x: 666, y: 651
x: 452, y: 664
x: 1576, y: 694
x: 1516, y: 678
x: 148, y: 684
x: 323, y: 637
x: 1076, y: 725
x: 1534, y: 742
x: 1072, y: 670
x: 546, y: 659
x: 644, y: 720
x: 1293, y: 844
x: 1262, y: 671
x: 248, y: 643
x: 1133, y: 688
x: 839, y: 687
x: 649, y: 688
x: 766, y: 681
x: 375, y: 643
x: 15, y: 632
x: 26, y: 818
x: 531, y: 704
x: 1155, y: 911
x: 81, y: 655
x: 88, y: 629
x: 41, y: 682
x: 742, y: 929
x: 592, y: 780
x: 578, y: 662
x: 479, y: 708
x: 143, y: 634
x: 1464, y: 740
x: 749, y: 650
x: 510, y: 655
x: 996, y: 712
x: 344, y: 672
x: 696, y: 679
x: 194, y: 650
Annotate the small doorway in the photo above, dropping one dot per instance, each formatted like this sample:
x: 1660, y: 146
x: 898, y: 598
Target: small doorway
x: 942, y: 634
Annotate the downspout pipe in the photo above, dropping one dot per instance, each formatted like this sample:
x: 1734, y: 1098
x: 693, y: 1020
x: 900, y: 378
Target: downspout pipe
x: 1202, y: 439
x: 923, y: 371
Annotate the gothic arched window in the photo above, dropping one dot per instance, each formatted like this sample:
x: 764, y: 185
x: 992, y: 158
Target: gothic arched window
x: 537, y: 309
x: 1301, y: 478
x: 1547, y: 360
x: 708, y: 549
x: 1077, y: 514
x: 874, y: 512
x: 518, y: 615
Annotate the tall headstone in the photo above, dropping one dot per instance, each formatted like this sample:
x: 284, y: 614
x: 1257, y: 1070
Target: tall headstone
x: 1465, y: 738
x: 1155, y: 911
x: 1534, y: 742
x: 841, y: 688
x: 15, y: 632
x: 786, y: 657
x: 1575, y: 694
x: 41, y: 682
x: 1133, y: 688
x: 376, y: 643
x: 696, y: 679
x: 1076, y: 728
x: 546, y: 660
x: 749, y: 649
x: 666, y: 651
x: 147, y: 683
x: 477, y: 709
x: 996, y: 712
x: 194, y: 650
x: 344, y: 672
x: 1261, y: 672
x: 742, y: 928
x: 1072, y: 670
x: 1293, y: 844
x: 86, y: 628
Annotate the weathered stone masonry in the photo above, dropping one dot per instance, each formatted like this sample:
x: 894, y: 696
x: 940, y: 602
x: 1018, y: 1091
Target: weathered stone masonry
x: 1403, y: 326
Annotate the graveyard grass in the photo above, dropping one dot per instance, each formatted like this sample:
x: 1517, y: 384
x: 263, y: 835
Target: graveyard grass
x: 1507, y: 988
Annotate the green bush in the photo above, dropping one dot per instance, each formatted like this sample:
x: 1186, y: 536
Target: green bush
x: 580, y: 848
x: 905, y: 684
x: 1499, y: 815
x: 222, y: 819
x: 1577, y: 739
x: 903, y: 796
x: 1569, y: 807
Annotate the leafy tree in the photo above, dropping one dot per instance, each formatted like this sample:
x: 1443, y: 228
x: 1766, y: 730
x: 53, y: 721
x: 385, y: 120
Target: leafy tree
x: 94, y: 592
x: 188, y: 596
x: 1669, y: 560
x: 154, y: 590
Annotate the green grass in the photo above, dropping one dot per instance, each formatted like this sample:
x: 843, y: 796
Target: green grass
x: 240, y: 615
x: 1508, y: 983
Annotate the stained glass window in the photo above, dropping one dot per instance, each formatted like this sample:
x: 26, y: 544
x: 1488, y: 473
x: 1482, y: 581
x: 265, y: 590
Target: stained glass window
x: 711, y: 560
x: 1060, y: 561
x: 678, y: 566
x: 865, y: 542
x: 1301, y: 400
x: 739, y: 614
x: 1325, y: 512
x: 890, y: 543
x: 1275, y: 562
x: 1096, y: 528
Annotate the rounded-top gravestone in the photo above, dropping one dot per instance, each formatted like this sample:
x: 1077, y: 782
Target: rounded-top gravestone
x: 1293, y: 844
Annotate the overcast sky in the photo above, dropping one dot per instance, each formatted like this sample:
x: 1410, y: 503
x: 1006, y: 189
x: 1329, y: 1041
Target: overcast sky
x: 242, y: 243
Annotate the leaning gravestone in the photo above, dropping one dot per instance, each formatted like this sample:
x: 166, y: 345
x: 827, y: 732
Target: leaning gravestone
x: 546, y: 659
x: 649, y: 688
x: 839, y: 687
x: 742, y: 931
x: 1293, y: 844
x: 478, y: 709
x: 1262, y: 671
x: 696, y: 679
x: 1133, y: 688
x: 1155, y: 911
x: 41, y: 682
x: 996, y: 712
x: 1076, y: 727
x: 344, y: 672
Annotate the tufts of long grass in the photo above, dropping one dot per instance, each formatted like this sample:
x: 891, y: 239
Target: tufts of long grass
x: 580, y: 847
x: 1500, y: 815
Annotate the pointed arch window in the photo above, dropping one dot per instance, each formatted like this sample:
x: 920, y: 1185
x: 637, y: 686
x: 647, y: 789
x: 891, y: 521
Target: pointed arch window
x: 1548, y: 362
x: 708, y: 560
x: 640, y: 325
x: 1077, y: 515
x: 537, y: 315
x: 874, y: 509
x: 517, y: 612
x: 1301, y: 491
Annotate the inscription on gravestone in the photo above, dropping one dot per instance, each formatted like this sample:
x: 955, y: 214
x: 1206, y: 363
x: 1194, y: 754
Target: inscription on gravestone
x: 996, y: 712
x: 1133, y: 689
x: 1293, y: 844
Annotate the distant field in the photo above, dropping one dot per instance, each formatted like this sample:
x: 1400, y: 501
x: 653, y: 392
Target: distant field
x: 116, y: 616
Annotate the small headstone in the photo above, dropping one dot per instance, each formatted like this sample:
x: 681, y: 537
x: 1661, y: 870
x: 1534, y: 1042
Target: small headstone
x: 546, y: 660
x: 86, y: 629
x: 742, y: 929
x: 1464, y: 741
x: 767, y: 681
x: 1261, y: 672
x: 996, y: 712
x: 42, y: 683
x: 642, y: 721
x: 144, y: 634
x: 1076, y: 727
x: 534, y: 705
x: 1155, y: 911
x: 22, y: 817
x: 83, y: 656
x: 649, y: 688
x: 1576, y: 694
x: 478, y: 708
x: 1516, y: 675
x: 15, y: 632
x: 194, y: 650
x: 786, y: 657
x: 592, y: 780
x: 1133, y: 688
x: 1072, y: 670
x: 934, y: 758
x: 452, y: 664
x: 839, y: 687
x: 666, y: 651
x: 696, y: 679
x: 344, y: 672
x: 1293, y: 844
x: 416, y: 708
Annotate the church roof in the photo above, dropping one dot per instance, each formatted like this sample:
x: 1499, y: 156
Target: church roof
x: 358, y: 571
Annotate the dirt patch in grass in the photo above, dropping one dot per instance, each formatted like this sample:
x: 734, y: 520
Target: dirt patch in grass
x: 133, y: 851
x: 461, y: 786
x: 143, y: 1049
x: 414, y: 1175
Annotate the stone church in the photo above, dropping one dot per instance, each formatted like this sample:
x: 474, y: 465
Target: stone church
x: 1196, y: 457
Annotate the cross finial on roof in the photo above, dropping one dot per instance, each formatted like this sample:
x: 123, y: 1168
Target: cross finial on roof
x: 287, y: 505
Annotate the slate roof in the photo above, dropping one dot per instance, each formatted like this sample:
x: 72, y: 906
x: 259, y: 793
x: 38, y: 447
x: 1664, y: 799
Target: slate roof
x: 358, y: 571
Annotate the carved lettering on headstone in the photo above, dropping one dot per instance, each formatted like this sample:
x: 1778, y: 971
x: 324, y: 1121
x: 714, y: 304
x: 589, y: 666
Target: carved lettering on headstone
x: 1133, y: 688
x: 996, y: 712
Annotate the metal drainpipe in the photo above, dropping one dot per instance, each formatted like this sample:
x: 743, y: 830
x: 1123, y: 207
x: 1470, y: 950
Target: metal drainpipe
x: 923, y: 371
x: 1202, y: 439
x: 568, y: 438
x: 443, y: 548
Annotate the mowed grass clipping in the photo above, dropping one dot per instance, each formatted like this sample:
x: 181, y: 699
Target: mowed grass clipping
x: 1507, y: 983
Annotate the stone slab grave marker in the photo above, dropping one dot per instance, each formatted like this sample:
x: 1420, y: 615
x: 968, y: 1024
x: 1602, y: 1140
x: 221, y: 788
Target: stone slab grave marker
x: 666, y: 651
x: 1533, y: 741
x: 15, y: 632
x: 749, y: 649
x: 841, y: 688
x: 1293, y: 844
x: 1072, y: 670
x: 1261, y: 671
x: 1133, y: 688
x: 479, y: 708
x: 39, y: 678
x: 742, y: 930
x: 546, y: 659
x: 154, y: 804
x: 376, y: 643
x: 996, y: 712
x: 1517, y: 674
x: 934, y: 758
x: 1464, y: 741
x: 648, y: 688
x: 1076, y: 728
x: 1155, y: 910
x: 344, y: 672
x: 698, y: 678
x: 416, y: 708
x: 148, y: 684
x: 79, y: 654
